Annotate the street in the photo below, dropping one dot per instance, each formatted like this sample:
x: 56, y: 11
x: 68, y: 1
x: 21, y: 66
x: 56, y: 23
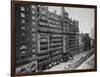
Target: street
x: 80, y: 61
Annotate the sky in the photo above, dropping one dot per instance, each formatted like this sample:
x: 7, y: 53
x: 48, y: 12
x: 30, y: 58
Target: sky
x: 85, y: 16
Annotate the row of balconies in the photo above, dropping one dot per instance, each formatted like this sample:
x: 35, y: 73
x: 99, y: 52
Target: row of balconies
x: 73, y: 45
x: 43, y: 40
x: 55, y: 30
x: 56, y: 44
x: 57, y: 52
x: 73, y: 48
x: 56, y: 22
x: 46, y: 29
x: 45, y: 51
x: 43, y: 61
x: 49, y: 22
x: 42, y: 23
x: 41, y: 52
x: 43, y: 17
x: 43, y: 57
x: 43, y: 29
x: 56, y: 48
x: 73, y: 41
x: 56, y: 57
x: 55, y: 26
x: 43, y: 45
x: 56, y: 40
x: 45, y: 24
x: 43, y: 34
x: 56, y: 35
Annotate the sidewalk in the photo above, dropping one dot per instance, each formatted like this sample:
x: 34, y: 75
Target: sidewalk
x: 88, y: 64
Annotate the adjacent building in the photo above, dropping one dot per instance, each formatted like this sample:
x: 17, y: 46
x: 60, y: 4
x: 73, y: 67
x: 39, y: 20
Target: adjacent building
x: 26, y: 35
x: 85, y: 42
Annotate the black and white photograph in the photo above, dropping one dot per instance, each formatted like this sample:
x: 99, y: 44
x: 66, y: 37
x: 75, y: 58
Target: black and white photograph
x: 54, y: 38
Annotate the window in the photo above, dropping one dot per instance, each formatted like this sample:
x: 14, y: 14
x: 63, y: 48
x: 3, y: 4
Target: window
x: 33, y: 34
x: 33, y: 29
x: 33, y: 12
x: 33, y: 17
x: 23, y: 21
x: 23, y: 34
x: 23, y: 52
x: 23, y: 27
x: 22, y: 14
x: 33, y: 39
x: 33, y: 23
x: 33, y: 50
x: 33, y: 45
x: 33, y: 6
x: 40, y: 23
x: 23, y: 47
x: 22, y: 8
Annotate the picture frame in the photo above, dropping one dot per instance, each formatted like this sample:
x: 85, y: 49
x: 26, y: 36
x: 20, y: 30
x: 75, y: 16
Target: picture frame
x: 27, y: 54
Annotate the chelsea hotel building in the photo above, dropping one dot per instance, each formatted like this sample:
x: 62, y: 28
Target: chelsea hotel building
x: 43, y: 38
